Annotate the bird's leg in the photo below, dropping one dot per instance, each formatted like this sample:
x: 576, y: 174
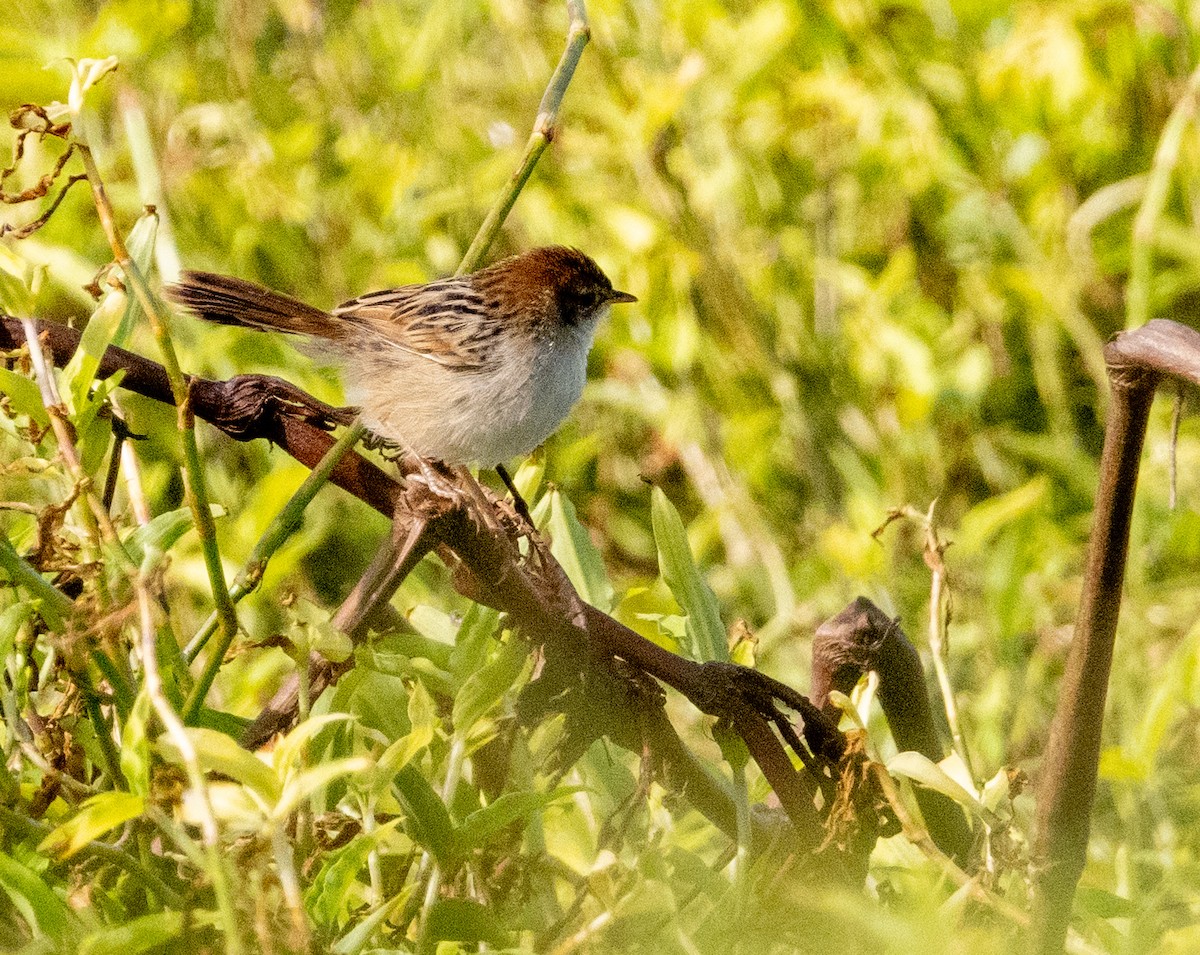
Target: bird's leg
x: 397, y: 451
x: 465, y: 489
x: 430, y: 477
x: 475, y: 493
x: 519, y: 504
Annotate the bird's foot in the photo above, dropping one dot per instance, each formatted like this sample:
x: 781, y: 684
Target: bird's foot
x: 441, y: 483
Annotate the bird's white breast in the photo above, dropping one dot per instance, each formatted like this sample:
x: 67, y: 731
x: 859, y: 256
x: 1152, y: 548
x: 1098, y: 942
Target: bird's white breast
x: 488, y: 416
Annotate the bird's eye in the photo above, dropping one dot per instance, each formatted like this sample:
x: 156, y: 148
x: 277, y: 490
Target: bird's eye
x: 585, y: 299
x: 579, y: 303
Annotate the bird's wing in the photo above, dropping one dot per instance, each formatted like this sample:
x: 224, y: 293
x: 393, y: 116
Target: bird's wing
x: 445, y: 322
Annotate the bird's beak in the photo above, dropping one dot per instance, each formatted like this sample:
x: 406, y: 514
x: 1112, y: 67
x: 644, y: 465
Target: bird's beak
x: 615, y: 296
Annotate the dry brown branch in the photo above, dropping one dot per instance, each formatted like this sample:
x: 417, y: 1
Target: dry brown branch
x: 536, y: 594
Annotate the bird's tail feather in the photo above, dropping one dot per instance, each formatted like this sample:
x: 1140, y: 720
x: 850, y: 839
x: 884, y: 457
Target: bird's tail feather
x: 230, y: 301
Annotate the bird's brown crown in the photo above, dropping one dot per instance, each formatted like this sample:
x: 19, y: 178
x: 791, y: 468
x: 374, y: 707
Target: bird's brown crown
x: 548, y: 284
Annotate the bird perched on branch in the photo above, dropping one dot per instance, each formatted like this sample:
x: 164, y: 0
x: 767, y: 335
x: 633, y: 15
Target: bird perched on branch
x: 478, y: 368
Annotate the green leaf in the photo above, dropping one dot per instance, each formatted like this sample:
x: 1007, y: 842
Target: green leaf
x: 140, y: 245
x: 100, y: 814
x: 354, y: 940
x: 135, y: 747
x: 422, y: 709
x: 1105, y: 905
x: 163, y: 532
x: 463, y: 920
x: 329, y: 896
x: 921, y: 769
x: 303, y: 784
x: 473, y: 640
x: 94, y: 430
x: 312, y: 631
x: 705, y: 631
x: 290, y: 751
x: 423, y: 720
x: 529, y: 476
x: 572, y: 546
x: 24, y: 396
x: 16, y: 284
x: 80, y: 371
x: 377, y: 697
x: 136, y: 936
x: 733, y: 747
x: 11, y: 620
x: 487, y: 687
x: 428, y: 822
x: 400, y: 753
x: 479, y: 828
x: 226, y: 723
x: 219, y: 753
x: 45, y: 912
x: 986, y: 519
x: 434, y: 623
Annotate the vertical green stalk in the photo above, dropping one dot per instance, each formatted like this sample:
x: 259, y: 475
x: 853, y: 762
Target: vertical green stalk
x: 578, y: 34
x: 195, y: 490
x: 214, y: 863
x: 454, y: 766
x: 108, y: 749
x: 284, y: 523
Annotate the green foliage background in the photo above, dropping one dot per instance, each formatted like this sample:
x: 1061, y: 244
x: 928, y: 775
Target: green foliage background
x: 878, y: 248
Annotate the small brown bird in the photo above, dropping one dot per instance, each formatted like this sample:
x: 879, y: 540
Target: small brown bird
x: 478, y: 368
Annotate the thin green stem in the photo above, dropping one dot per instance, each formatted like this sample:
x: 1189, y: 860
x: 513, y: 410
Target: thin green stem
x: 537, y: 144
x: 122, y: 685
x: 285, y: 522
x: 458, y: 752
x: 214, y: 861
x: 578, y: 34
x: 56, y: 607
x: 108, y: 749
x: 195, y: 490
x: 741, y: 803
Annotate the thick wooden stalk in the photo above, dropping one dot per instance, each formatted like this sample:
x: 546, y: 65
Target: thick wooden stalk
x: 1137, y: 361
x: 1072, y: 758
